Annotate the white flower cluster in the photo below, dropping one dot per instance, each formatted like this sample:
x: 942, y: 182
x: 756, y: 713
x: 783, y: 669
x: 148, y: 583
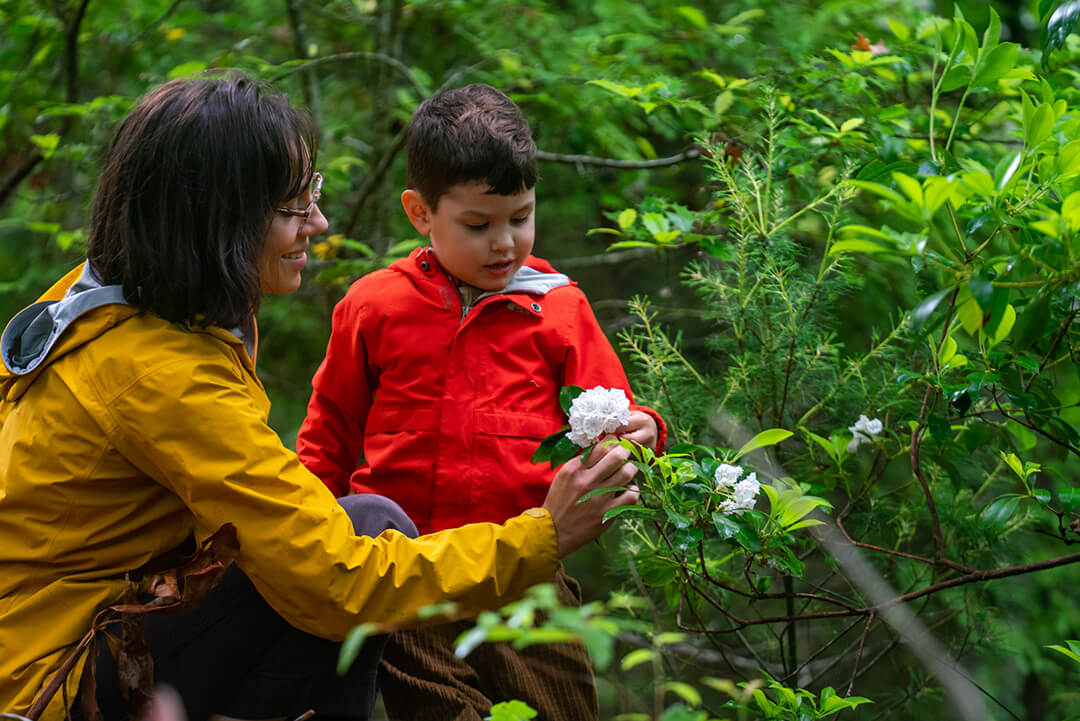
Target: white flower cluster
x: 862, y: 430
x: 595, y: 412
x: 744, y: 493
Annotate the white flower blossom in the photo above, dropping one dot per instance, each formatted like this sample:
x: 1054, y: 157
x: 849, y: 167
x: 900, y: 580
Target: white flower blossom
x: 595, y: 412
x: 744, y: 492
x: 862, y: 430
x: 726, y: 476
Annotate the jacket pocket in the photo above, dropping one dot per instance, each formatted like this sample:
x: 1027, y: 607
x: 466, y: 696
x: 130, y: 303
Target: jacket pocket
x: 396, y: 418
x: 508, y: 481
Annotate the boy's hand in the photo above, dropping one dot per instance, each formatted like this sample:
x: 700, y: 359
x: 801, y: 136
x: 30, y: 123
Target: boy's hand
x: 578, y: 523
x: 641, y: 428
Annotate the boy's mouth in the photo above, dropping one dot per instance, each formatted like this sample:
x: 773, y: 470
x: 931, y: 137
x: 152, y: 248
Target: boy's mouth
x: 500, y: 266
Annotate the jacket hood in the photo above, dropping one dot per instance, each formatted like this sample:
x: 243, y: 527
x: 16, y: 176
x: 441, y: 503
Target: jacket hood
x: 47, y: 329
x: 32, y: 333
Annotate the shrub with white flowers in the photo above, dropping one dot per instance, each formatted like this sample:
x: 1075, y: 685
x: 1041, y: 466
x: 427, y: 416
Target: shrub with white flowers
x: 862, y: 430
x: 743, y: 493
x: 595, y: 412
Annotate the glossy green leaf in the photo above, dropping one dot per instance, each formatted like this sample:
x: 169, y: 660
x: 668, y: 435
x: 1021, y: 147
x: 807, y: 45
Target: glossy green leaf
x: 766, y: 438
x: 567, y: 394
x: 1058, y: 27
x: 1007, y: 168
x: 998, y: 513
x: 926, y: 307
x: 1070, y: 499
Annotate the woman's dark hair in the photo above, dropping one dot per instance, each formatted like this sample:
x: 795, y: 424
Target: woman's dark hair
x: 474, y: 133
x: 187, y: 194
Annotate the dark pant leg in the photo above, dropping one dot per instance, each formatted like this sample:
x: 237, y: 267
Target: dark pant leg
x: 234, y: 654
x: 422, y: 680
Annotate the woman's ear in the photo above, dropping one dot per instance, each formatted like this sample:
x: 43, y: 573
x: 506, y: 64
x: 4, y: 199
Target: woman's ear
x: 418, y: 211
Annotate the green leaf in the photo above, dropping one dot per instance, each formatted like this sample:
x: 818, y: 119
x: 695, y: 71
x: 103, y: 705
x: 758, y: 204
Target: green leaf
x: 1070, y: 499
x: 567, y: 395
x: 922, y: 311
x: 993, y: 66
x: 956, y: 77
x: 1000, y: 511
x: 992, y: 35
x: 1042, y: 124
x: 878, y: 189
x: 828, y: 445
x: 766, y: 438
x: 635, y: 510
x: 195, y: 66
x: 511, y: 711
x: 723, y: 102
x: 684, y: 690
x: 562, y: 450
x: 1007, y: 168
x: 350, y: 647
x: 627, y: 218
x: 850, y: 124
x: 1061, y: 23
x: 858, y: 245
x: 1072, y: 652
x: 1013, y: 462
x: 694, y: 15
x: 678, y: 519
x: 901, y: 31
x: 1008, y: 318
x: 636, y: 658
x: 726, y: 527
x: 47, y: 143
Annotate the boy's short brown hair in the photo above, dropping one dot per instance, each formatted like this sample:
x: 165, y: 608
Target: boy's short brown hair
x: 474, y: 133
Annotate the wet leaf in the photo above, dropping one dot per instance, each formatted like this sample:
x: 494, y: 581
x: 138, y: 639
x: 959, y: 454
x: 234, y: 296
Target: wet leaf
x: 1060, y: 24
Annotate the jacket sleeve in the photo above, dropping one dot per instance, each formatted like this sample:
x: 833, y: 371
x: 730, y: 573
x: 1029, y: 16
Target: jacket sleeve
x: 591, y: 361
x: 331, y: 438
x: 297, y: 545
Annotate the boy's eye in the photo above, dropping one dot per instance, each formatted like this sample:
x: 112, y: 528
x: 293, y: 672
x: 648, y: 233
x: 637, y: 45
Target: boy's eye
x: 476, y: 226
x: 519, y: 221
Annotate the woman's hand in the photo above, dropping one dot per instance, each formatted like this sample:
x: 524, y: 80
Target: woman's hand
x: 641, y: 428
x: 578, y: 523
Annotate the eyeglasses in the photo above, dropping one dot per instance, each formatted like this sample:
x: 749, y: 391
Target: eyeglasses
x: 316, y: 191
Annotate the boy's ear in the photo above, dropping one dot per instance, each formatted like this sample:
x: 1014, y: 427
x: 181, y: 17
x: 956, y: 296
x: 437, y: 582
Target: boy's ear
x: 418, y: 211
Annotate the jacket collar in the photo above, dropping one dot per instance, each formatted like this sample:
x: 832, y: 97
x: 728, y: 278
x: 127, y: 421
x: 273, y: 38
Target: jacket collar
x: 536, y: 277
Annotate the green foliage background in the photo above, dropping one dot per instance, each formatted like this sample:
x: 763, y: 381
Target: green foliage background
x: 680, y: 113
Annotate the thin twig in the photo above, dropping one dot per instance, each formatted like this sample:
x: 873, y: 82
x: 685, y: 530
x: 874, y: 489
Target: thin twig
x: 690, y: 154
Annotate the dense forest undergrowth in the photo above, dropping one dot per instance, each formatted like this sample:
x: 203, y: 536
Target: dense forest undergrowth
x: 836, y: 243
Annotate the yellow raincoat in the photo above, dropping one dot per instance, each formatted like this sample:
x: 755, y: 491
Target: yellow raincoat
x: 134, y: 433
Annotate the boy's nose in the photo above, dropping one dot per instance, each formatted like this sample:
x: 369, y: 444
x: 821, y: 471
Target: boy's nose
x: 502, y: 240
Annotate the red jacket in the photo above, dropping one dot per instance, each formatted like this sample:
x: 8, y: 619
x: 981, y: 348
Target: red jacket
x: 445, y: 405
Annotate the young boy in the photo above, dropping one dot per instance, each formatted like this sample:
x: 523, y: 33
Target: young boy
x: 443, y: 374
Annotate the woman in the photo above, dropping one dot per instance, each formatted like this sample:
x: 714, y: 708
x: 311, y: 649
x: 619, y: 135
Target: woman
x: 132, y: 424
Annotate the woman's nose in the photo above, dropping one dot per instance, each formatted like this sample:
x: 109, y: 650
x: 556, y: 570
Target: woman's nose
x: 317, y: 224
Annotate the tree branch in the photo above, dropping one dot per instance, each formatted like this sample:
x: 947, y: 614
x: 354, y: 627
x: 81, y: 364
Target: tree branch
x: 690, y: 154
x: 71, y: 93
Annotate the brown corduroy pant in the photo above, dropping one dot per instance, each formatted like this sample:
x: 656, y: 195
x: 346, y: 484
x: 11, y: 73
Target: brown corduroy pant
x: 422, y: 680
